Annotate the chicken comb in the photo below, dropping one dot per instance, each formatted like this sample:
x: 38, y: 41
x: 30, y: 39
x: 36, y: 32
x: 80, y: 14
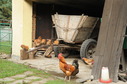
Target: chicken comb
x: 60, y: 56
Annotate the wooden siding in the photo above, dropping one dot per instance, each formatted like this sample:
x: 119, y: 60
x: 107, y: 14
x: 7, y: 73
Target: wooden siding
x: 111, y: 36
x: 43, y: 21
x: 34, y: 21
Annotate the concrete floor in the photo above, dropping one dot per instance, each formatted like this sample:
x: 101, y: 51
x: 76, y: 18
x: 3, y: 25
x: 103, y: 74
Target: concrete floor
x: 51, y: 65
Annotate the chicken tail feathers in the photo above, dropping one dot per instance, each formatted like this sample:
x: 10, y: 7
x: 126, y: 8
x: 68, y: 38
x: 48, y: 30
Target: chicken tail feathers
x: 75, y: 63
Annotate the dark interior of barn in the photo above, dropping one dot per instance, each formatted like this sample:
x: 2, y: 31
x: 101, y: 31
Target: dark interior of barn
x: 94, y: 8
x: 44, y: 19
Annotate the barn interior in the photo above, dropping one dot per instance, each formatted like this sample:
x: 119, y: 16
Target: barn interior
x: 44, y: 9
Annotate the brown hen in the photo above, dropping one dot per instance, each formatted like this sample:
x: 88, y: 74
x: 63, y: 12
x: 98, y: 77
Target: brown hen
x: 26, y: 48
x: 38, y: 41
x: 88, y: 61
x: 68, y: 69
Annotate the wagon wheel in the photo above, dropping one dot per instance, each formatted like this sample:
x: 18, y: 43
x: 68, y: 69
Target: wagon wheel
x: 88, y: 48
x: 58, y: 50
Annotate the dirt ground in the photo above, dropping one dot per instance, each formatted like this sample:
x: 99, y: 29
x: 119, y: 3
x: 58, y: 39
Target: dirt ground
x: 51, y: 65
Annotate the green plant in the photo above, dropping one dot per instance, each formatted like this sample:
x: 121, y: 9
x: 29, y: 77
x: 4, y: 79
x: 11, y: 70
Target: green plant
x: 5, y: 47
x: 8, y: 68
x: 5, y: 9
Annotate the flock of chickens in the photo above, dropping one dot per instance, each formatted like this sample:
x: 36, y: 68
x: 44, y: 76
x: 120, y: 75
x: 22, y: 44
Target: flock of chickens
x: 68, y: 69
x: 39, y: 41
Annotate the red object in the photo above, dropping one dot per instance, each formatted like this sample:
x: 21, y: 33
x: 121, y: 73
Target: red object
x: 60, y: 56
x: 103, y: 81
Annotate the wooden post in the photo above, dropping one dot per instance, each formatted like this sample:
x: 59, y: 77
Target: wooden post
x: 48, y: 51
x: 111, y: 36
x: 34, y: 22
x: 36, y: 48
x: 24, y: 54
x: 32, y: 55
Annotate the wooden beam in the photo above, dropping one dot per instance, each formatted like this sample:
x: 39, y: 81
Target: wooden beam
x: 111, y: 36
x: 36, y: 48
x: 34, y: 22
x: 23, y: 54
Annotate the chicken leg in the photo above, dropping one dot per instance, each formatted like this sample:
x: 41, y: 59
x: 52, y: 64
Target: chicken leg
x: 69, y: 78
x: 65, y: 78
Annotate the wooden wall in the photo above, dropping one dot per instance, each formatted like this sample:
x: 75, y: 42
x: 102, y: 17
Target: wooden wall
x: 110, y: 41
x: 43, y: 21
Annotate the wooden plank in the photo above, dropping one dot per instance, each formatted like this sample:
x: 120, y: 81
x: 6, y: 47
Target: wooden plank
x: 78, y: 25
x: 118, y: 40
x: 48, y: 51
x: 34, y: 22
x: 104, y: 27
x: 102, y: 39
x: 32, y: 55
x: 110, y: 40
x: 121, y: 25
x: 67, y: 26
x: 34, y: 49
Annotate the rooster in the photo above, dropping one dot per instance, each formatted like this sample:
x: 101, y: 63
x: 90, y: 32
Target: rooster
x: 26, y: 48
x: 49, y: 42
x: 43, y: 41
x: 75, y: 63
x: 56, y: 42
x: 68, y: 69
x: 37, y: 42
x: 88, y: 61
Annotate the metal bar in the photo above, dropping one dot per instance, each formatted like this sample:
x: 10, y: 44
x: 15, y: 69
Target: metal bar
x: 5, y: 35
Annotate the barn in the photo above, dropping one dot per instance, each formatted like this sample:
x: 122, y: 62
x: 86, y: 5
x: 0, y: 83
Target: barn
x: 32, y: 18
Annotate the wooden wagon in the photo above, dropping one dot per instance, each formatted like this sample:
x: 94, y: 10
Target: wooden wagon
x: 76, y: 32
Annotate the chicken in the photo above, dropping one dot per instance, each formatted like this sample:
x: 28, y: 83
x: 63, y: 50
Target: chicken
x: 68, y: 69
x: 26, y: 48
x: 49, y: 42
x: 43, y: 41
x: 88, y: 61
x: 75, y: 63
x: 37, y: 42
x: 56, y: 42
